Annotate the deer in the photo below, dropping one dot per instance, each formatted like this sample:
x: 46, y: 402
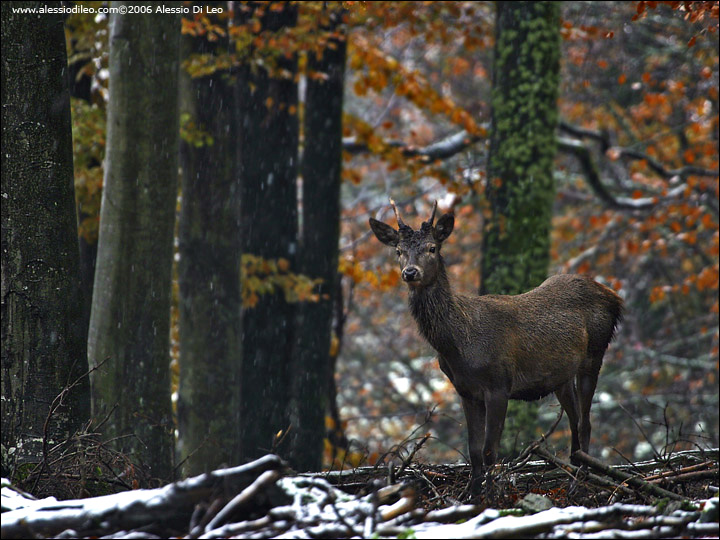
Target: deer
x: 494, y: 348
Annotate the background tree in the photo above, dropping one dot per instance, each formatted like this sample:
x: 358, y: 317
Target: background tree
x: 268, y: 167
x: 45, y: 392
x: 129, y: 324
x: 320, y: 169
x: 210, y: 301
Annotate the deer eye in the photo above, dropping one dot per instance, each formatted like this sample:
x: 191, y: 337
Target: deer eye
x: 431, y: 249
x: 398, y: 251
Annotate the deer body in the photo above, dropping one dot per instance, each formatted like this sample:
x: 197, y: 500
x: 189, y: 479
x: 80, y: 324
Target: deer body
x: 495, y: 347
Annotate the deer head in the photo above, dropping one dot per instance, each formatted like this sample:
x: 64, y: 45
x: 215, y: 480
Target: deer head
x: 418, y: 251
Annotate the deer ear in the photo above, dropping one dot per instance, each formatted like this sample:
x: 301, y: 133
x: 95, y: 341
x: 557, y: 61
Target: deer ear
x: 444, y: 227
x: 384, y: 232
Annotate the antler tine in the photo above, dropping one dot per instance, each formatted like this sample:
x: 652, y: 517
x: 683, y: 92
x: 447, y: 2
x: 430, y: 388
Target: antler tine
x: 432, y: 216
x: 401, y: 223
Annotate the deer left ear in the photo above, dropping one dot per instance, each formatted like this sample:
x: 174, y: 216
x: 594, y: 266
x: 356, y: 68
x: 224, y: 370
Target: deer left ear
x: 444, y: 227
x: 384, y: 232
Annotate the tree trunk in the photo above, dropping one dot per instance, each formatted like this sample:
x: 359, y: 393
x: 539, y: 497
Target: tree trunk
x: 209, y: 272
x: 43, y: 332
x: 520, y: 187
x: 130, y: 319
x: 268, y: 147
x: 318, y: 257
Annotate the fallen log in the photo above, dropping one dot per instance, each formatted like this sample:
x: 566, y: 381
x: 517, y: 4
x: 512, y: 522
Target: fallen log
x: 168, y: 507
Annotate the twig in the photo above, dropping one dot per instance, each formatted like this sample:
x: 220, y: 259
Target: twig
x: 54, y: 406
x: 410, y: 457
x: 524, y: 456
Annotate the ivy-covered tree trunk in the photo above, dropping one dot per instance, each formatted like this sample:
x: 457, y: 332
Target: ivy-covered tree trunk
x: 268, y: 152
x: 520, y: 187
x: 130, y: 319
x: 43, y: 329
x: 209, y: 269
x: 318, y: 258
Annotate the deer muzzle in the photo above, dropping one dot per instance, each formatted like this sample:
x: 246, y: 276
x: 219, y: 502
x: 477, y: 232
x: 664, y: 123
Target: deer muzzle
x: 411, y: 274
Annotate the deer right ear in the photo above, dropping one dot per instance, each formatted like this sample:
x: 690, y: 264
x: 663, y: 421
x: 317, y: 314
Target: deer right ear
x: 384, y: 232
x: 444, y: 227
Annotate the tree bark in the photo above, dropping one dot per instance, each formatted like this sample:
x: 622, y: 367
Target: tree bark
x: 43, y: 332
x: 318, y: 258
x: 520, y: 187
x: 209, y: 272
x: 130, y: 319
x: 268, y: 148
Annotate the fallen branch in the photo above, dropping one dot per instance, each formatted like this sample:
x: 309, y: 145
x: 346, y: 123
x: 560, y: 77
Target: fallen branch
x: 690, y: 468
x: 687, y: 477
x: 245, y: 498
x: 576, y: 473
x: 626, y: 478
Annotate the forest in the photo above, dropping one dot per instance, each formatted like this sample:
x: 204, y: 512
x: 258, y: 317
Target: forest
x: 190, y: 280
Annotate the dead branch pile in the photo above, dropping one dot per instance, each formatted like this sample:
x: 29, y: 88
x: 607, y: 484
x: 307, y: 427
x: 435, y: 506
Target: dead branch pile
x: 673, y: 497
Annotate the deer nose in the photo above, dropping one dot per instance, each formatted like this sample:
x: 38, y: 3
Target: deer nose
x: 411, y: 273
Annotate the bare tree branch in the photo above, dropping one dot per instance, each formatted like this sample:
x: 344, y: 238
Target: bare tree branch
x: 592, y: 175
x: 605, y: 144
x: 442, y: 149
x: 458, y: 142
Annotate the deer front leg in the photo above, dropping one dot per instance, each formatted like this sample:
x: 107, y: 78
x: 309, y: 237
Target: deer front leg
x: 475, y: 419
x: 495, y: 409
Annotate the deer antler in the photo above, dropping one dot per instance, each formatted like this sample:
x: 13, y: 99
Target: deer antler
x: 432, y: 216
x: 401, y: 223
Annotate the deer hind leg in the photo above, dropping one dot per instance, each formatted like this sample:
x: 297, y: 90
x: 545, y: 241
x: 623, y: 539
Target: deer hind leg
x: 568, y: 398
x: 586, y: 383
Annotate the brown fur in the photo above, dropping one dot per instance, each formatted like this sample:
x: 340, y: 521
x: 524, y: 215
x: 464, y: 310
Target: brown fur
x: 494, y: 347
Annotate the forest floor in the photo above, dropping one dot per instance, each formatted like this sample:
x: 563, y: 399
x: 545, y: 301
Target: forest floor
x: 537, y: 495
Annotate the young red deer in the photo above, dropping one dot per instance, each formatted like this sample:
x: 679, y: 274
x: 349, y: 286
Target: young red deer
x: 494, y: 348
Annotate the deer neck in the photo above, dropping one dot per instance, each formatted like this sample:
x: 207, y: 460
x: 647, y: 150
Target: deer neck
x: 437, y: 314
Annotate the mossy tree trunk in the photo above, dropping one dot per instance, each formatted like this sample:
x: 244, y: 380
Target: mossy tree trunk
x: 43, y: 328
x: 520, y: 186
x: 130, y: 318
x: 209, y: 269
x: 268, y: 169
x: 318, y: 258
